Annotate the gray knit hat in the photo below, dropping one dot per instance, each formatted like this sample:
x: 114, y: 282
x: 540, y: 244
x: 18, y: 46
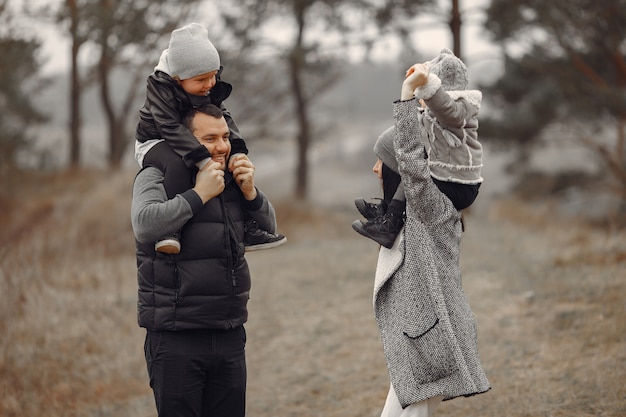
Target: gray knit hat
x: 385, y: 150
x: 191, y: 53
x: 451, y: 71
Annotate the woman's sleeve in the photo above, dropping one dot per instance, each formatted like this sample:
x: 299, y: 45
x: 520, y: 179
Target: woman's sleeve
x: 422, y: 195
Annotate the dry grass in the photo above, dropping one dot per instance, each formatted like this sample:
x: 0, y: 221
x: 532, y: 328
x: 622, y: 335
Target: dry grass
x: 66, y: 288
x: 561, y: 343
x: 548, y: 294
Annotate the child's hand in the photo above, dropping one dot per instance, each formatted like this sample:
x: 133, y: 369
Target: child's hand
x: 416, y: 76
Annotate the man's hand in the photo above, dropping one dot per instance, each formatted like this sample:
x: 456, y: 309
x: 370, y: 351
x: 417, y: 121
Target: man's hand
x: 416, y: 76
x: 209, y: 181
x: 243, y: 173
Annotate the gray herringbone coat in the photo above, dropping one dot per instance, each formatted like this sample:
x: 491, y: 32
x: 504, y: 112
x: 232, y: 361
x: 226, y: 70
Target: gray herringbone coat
x: 427, y: 327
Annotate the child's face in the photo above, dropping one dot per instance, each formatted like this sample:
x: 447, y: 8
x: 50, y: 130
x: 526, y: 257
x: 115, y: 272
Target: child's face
x: 199, y: 85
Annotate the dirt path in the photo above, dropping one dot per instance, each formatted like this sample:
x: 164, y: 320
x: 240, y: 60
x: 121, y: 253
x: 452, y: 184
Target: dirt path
x: 547, y: 295
x: 313, y: 347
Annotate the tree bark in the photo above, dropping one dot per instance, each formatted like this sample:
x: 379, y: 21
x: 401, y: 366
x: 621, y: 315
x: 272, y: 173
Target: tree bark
x: 455, y: 28
x: 75, y: 88
x: 296, y: 67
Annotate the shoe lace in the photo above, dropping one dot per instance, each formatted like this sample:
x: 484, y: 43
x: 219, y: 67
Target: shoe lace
x: 389, y: 219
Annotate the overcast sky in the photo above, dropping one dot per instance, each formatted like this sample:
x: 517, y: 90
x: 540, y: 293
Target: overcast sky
x: 476, y: 48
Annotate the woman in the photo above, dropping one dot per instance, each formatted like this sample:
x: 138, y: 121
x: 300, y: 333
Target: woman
x: 427, y: 327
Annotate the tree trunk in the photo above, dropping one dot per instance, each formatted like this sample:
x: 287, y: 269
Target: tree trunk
x: 118, y: 137
x: 118, y: 145
x: 104, y: 68
x: 296, y: 67
x: 75, y: 88
x: 620, y: 159
x: 455, y: 28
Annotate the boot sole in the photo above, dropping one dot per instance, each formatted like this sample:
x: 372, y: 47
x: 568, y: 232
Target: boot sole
x: 358, y: 227
x: 268, y: 245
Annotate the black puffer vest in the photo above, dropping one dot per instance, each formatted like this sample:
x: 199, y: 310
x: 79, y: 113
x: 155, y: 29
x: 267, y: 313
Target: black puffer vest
x: 205, y: 286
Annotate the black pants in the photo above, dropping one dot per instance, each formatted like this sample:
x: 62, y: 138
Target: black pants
x: 199, y: 373
x: 461, y: 195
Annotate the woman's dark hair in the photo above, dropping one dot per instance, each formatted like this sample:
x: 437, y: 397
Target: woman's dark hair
x: 391, y: 181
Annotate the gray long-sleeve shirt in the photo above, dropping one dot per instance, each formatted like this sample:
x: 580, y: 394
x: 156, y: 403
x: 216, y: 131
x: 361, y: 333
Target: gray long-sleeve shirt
x: 154, y: 216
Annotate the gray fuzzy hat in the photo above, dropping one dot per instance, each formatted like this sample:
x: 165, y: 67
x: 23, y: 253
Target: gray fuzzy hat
x: 191, y: 53
x: 385, y: 150
x: 451, y: 71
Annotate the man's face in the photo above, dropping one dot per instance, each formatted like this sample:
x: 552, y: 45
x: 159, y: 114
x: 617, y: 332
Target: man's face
x: 214, y: 135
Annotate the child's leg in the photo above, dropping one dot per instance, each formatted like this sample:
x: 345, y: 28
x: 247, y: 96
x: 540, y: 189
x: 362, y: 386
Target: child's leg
x: 176, y: 181
x: 398, y: 203
x: 238, y: 145
x: 142, y: 148
x: 385, y: 228
x: 373, y: 210
x: 370, y: 210
x: 176, y: 174
x: 256, y: 238
x: 461, y: 195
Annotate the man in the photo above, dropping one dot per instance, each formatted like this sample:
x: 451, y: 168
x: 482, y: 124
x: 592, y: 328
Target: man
x: 194, y: 304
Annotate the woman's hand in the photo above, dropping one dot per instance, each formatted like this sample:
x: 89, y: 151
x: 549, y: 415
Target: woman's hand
x: 415, y: 77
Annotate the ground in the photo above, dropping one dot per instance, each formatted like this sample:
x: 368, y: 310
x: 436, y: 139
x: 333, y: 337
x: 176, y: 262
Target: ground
x: 547, y: 292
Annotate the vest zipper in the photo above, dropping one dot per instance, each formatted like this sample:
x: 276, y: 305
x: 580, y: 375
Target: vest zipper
x: 227, y: 232
x: 177, y: 284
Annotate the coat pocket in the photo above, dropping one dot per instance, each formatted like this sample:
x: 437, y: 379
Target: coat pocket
x: 430, y: 353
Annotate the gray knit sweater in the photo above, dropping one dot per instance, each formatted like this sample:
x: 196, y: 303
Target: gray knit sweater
x: 427, y: 327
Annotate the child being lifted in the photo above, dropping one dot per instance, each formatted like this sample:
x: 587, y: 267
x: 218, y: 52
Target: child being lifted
x: 448, y: 118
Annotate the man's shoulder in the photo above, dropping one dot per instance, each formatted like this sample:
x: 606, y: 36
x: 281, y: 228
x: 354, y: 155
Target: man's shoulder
x: 149, y: 173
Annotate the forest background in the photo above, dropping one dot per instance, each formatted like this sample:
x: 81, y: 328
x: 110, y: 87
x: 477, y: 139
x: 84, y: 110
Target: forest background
x: 314, y: 81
